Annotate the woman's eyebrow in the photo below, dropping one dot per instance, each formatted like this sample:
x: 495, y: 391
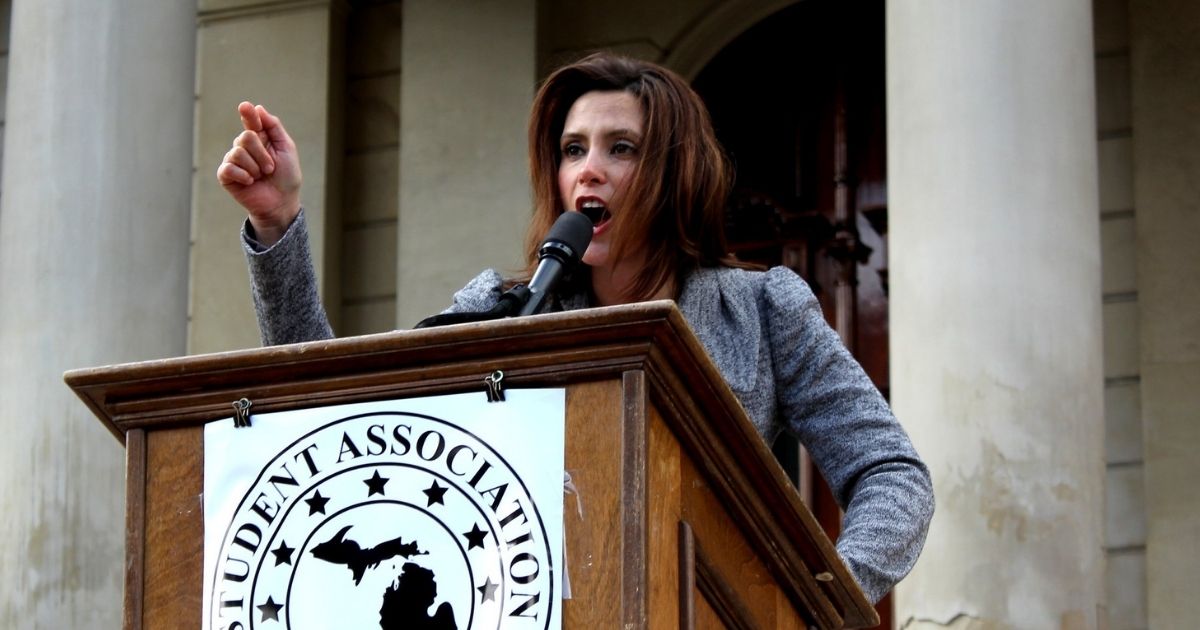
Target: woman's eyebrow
x: 623, y: 132
x: 608, y: 133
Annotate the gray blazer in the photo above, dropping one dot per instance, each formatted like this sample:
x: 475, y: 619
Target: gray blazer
x: 767, y: 335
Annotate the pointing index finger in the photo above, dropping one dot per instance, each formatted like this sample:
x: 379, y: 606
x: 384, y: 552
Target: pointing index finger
x: 250, y: 116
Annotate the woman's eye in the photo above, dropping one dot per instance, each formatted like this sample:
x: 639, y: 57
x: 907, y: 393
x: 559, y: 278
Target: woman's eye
x: 624, y: 148
x: 572, y: 150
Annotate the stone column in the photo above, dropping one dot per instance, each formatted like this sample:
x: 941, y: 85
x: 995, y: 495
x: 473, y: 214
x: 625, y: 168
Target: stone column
x: 995, y: 309
x: 93, y: 270
x: 468, y: 78
x: 1165, y: 54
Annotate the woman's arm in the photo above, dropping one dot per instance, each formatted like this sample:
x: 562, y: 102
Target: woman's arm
x: 284, y: 286
x: 830, y: 404
x: 261, y: 171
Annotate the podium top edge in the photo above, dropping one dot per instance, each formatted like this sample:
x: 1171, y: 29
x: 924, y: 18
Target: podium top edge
x: 621, y: 316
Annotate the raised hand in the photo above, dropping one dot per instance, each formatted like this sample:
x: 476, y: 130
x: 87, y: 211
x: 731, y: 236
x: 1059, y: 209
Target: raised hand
x: 262, y: 173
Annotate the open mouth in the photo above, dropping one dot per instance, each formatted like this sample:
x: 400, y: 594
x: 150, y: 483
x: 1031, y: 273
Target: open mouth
x: 598, y: 214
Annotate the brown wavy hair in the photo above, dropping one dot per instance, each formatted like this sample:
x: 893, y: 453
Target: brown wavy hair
x: 677, y: 193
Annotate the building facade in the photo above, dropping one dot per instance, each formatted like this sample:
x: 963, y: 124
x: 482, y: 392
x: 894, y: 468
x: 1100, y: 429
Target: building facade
x: 1042, y: 307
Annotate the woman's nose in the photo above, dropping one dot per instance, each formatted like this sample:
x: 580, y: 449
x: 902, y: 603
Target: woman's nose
x: 592, y: 170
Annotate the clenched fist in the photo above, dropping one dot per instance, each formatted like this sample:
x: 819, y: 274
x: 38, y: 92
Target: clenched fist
x: 262, y: 172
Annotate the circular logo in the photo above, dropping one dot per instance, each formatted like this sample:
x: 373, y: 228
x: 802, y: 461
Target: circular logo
x: 386, y: 519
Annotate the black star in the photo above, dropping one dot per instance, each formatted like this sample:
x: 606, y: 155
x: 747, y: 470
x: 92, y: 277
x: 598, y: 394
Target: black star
x: 375, y: 483
x: 283, y: 554
x: 435, y: 494
x: 487, y: 592
x: 269, y: 610
x: 316, y: 503
x: 475, y: 537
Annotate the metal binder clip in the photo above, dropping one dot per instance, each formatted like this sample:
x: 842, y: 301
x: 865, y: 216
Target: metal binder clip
x: 241, y: 413
x: 495, y: 389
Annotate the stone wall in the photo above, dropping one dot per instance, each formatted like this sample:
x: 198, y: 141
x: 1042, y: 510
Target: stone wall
x: 93, y: 271
x: 284, y: 55
x: 994, y: 259
x: 1165, y: 73
x: 1125, y: 524
x: 372, y: 169
x: 5, y: 20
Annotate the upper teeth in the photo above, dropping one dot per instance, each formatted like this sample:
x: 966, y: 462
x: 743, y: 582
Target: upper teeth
x: 593, y: 204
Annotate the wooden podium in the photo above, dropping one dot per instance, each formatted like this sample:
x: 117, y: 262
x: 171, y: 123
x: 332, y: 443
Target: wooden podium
x: 689, y: 521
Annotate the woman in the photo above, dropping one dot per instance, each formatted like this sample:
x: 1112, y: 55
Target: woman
x: 631, y: 145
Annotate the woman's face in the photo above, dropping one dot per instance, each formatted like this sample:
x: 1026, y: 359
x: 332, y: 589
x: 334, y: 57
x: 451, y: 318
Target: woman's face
x: 599, y: 149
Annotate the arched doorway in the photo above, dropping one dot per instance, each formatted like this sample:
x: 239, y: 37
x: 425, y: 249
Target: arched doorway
x: 798, y: 102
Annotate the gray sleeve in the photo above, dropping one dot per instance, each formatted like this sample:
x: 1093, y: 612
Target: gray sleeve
x: 284, y: 287
x: 830, y: 404
x: 480, y: 294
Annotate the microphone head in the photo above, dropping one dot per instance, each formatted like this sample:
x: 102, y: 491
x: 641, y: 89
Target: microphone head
x: 568, y: 238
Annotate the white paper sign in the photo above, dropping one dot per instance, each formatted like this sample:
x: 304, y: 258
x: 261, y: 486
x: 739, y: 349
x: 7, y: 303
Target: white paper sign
x: 439, y: 512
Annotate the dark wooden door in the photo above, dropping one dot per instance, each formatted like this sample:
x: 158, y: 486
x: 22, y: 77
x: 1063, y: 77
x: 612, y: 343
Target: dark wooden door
x: 798, y: 102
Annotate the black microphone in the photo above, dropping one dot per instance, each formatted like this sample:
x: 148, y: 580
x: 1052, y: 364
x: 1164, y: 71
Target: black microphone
x: 562, y: 249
